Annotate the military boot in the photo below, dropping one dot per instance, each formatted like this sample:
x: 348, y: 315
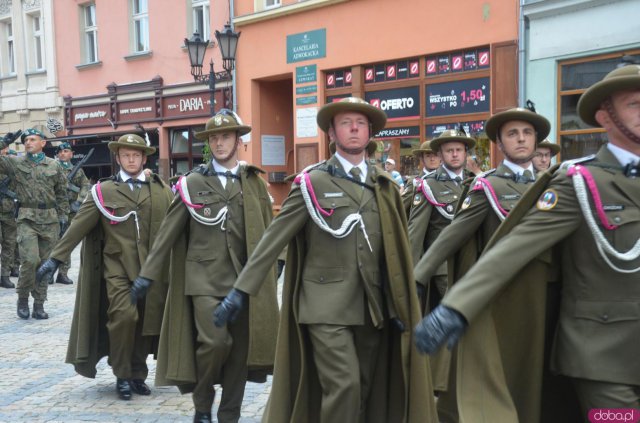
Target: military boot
x: 15, y: 273
x: 38, y: 312
x: 63, y: 279
x: 5, y: 282
x: 23, y: 308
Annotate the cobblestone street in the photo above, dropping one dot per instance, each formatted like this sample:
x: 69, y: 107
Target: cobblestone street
x: 37, y: 385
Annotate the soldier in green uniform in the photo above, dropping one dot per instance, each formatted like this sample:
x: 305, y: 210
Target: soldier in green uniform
x: 117, y: 223
x: 349, y: 293
x: 544, y: 153
x: 77, y: 190
x: 221, y: 210
x: 8, y: 229
x: 587, y: 212
x: 429, y: 161
x: 492, y: 195
x: 43, y: 208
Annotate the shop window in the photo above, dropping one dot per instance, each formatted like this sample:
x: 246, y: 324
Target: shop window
x: 200, y: 14
x: 338, y: 78
x: 577, y: 139
x: 8, y: 48
x: 268, y: 4
x: 90, y: 31
x: 186, y: 151
x: 140, y: 25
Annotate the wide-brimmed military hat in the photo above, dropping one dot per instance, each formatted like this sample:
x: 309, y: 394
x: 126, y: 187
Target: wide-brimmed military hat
x: 132, y: 141
x: 224, y: 121
x: 63, y: 146
x: 31, y: 131
x: 451, y: 135
x: 424, y: 148
x: 539, y: 122
x: 624, y: 78
x: 377, y: 117
x: 552, y: 146
x: 371, y: 148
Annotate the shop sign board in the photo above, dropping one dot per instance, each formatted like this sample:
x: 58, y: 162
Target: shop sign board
x: 397, y: 103
x: 307, y: 89
x: 306, y: 74
x: 472, y: 128
x: 308, y: 45
x: 136, y: 110
x: 310, y: 99
x: 399, y: 132
x: 457, y: 97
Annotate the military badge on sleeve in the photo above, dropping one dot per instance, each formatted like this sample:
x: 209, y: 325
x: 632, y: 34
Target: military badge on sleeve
x: 547, y: 200
x: 466, y: 203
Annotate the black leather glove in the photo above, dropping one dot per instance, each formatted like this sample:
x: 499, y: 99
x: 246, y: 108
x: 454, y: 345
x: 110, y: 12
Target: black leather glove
x: 229, y: 308
x: 8, y: 138
x: 63, y: 226
x: 397, y: 323
x: 139, y: 289
x: 444, y: 324
x: 46, y: 270
x: 75, y: 206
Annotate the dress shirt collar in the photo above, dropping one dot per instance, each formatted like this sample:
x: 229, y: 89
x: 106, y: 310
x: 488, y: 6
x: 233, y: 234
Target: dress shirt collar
x: 346, y: 165
x: 625, y: 157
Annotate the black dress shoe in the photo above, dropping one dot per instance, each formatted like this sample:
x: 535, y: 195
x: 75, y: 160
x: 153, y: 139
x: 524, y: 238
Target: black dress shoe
x: 15, y: 273
x: 139, y: 387
x: 23, y: 308
x: 63, y: 279
x: 202, y: 417
x: 123, y: 388
x: 5, y: 282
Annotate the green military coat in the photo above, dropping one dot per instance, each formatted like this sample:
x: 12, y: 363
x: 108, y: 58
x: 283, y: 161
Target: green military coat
x: 111, y: 248
x: 206, y: 261
x: 324, y: 284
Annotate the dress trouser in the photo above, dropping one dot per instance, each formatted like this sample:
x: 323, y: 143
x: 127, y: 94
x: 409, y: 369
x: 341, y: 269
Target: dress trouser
x: 595, y: 394
x: 345, y: 358
x: 35, y: 241
x: 128, y: 349
x: 221, y: 357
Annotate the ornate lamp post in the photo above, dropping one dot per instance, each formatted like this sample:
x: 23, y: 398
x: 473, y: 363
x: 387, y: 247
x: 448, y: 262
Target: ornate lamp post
x: 196, y: 46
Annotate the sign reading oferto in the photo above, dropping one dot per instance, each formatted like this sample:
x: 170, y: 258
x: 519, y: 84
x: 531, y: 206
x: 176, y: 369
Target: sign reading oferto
x: 307, y: 46
x: 306, y: 74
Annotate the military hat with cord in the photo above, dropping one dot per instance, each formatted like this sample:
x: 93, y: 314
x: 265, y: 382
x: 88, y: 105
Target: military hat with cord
x: 377, y: 117
x: 453, y: 135
x: 528, y: 114
x: 552, y: 146
x: 424, y: 148
x: 224, y: 121
x: 132, y: 141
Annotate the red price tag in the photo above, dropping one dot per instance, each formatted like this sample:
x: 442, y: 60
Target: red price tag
x: 331, y: 80
x: 347, y: 77
x: 431, y: 66
x: 368, y: 74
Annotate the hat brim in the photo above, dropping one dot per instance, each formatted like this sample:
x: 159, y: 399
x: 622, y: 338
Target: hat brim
x: 436, y: 143
x: 114, y: 146
x: 371, y: 148
x: 419, y: 151
x: 553, y: 147
x: 377, y: 117
x: 591, y: 100
x: 539, y: 122
x: 240, y: 129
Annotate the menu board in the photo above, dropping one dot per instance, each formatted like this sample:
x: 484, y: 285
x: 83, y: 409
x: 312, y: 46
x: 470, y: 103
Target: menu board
x: 457, y: 97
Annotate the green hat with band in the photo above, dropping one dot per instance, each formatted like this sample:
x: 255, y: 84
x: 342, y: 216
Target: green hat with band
x: 539, y: 122
x: 131, y: 141
x: 452, y: 135
x: 224, y: 121
x: 377, y: 117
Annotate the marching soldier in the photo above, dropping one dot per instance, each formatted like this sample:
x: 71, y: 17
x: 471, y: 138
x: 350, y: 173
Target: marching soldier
x: 348, y: 290
x: 429, y: 162
x: 212, y: 226
x: 544, y: 153
x: 117, y: 223
x: 77, y: 190
x: 587, y: 211
x: 8, y: 228
x: 492, y: 195
x: 43, y: 208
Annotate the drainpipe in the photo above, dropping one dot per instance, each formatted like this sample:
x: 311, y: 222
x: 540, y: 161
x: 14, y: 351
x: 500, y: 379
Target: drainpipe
x: 522, y: 27
x: 233, y: 72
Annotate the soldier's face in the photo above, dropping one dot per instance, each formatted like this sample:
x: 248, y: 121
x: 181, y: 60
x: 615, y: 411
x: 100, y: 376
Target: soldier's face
x: 65, y: 155
x: 350, y: 131
x: 627, y: 108
x: 517, y: 141
x: 34, y: 144
x: 131, y: 160
x: 224, y: 146
x: 454, y: 155
x: 430, y: 161
x: 542, y: 159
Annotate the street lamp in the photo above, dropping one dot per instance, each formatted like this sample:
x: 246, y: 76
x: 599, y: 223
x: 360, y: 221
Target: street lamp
x: 196, y: 46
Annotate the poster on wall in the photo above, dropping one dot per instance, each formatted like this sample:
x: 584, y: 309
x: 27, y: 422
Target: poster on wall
x: 306, y: 125
x: 398, y: 103
x: 458, y: 97
x: 273, y: 151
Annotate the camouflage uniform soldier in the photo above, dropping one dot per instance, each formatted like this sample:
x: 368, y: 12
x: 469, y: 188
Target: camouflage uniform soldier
x: 43, y: 209
x: 7, y: 229
x: 77, y: 190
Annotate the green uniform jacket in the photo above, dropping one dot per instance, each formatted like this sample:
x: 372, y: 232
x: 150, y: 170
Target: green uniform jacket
x: 80, y: 181
x: 402, y: 377
x: 506, y: 295
x: 88, y: 340
x: 193, y: 254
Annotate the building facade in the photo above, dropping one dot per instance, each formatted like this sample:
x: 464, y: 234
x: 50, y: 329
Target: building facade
x: 595, y: 36
x: 29, y: 94
x: 123, y: 67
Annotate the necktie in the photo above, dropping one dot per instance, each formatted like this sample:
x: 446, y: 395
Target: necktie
x: 527, y: 176
x: 457, y: 180
x: 355, y: 173
x: 632, y: 170
x: 227, y: 186
x: 133, y: 183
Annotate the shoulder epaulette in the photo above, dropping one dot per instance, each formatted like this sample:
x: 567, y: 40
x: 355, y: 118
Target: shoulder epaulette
x: 568, y: 163
x: 201, y: 169
x: 112, y: 178
x: 251, y: 168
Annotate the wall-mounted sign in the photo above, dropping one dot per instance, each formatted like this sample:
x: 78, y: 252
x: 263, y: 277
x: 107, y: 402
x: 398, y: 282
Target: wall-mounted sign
x: 458, y: 97
x: 399, y: 132
x: 195, y: 104
x: 398, y: 103
x: 96, y: 115
x: 307, y: 89
x: 472, y: 128
x: 136, y: 110
x: 459, y: 61
x: 306, y: 74
x: 273, y: 151
x: 307, y: 45
x: 306, y: 125
x: 311, y: 99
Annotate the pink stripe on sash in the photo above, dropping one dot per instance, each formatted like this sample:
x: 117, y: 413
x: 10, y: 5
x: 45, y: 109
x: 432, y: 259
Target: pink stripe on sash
x: 487, y: 184
x: 595, y: 194
x: 184, y: 200
x: 99, y: 191
x: 307, y: 179
x: 424, y: 192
